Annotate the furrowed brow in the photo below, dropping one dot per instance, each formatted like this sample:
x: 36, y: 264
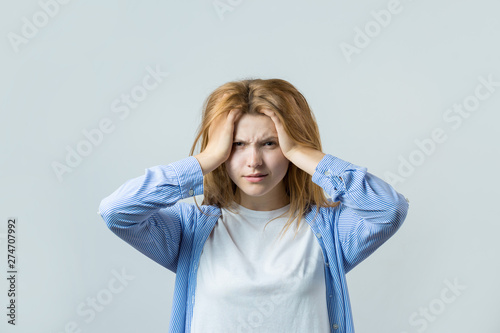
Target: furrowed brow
x: 271, y: 138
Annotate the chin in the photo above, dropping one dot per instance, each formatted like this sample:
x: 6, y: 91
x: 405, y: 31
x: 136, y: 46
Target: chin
x: 254, y: 193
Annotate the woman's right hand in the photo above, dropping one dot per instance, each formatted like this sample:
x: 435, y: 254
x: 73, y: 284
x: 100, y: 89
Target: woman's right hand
x: 220, y: 141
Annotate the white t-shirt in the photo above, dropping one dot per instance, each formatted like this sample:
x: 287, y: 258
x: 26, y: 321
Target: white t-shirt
x: 249, y: 280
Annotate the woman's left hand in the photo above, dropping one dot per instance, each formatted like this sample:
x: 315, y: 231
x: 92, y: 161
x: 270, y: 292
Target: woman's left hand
x: 287, y: 145
x: 303, y: 157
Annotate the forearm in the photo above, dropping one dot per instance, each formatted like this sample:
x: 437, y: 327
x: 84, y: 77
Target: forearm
x: 306, y: 159
x: 207, y: 162
x: 370, y: 197
x: 160, y: 187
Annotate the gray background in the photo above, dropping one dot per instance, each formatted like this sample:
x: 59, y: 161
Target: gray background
x: 371, y: 106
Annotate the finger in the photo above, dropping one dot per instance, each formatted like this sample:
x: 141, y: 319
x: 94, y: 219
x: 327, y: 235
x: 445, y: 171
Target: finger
x: 235, y: 116
x: 266, y: 112
x: 271, y: 114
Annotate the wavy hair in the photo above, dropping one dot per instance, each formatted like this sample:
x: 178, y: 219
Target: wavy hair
x: 251, y: 96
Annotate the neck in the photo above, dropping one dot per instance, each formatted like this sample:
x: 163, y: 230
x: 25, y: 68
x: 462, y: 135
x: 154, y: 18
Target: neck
x: 262, y: 203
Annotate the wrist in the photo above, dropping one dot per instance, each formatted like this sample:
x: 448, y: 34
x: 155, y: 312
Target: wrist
x: 306, y: 158
x: 207, y: 163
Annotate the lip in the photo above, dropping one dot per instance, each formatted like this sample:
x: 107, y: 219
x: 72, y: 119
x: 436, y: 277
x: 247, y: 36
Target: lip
x: 255, y: 178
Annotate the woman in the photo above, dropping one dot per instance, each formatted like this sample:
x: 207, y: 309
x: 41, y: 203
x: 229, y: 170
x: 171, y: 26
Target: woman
x: 261, y: 170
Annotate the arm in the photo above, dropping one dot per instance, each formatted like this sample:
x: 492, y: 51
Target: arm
x: 143, y: 211
x: 371, y: 211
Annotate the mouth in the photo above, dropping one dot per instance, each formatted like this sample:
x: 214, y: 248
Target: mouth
x: 255, y: 177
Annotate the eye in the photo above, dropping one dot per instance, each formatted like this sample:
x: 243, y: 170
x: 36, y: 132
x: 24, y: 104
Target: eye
x: 270, y: 143
x: 238, y: 144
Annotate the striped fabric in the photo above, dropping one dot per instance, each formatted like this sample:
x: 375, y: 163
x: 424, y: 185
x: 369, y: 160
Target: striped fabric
x: 146, y: 214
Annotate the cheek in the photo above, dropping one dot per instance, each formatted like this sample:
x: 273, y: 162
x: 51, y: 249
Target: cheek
x: 235, y: 160
x: 284, y: 166
x: 231, y: 166
x: 281, y: 164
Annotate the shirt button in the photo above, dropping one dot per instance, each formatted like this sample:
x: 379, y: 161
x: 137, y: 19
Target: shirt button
x: 327, y: 173
x: 331, y: 295
x: 191, y: 192
x: 408, y: 201
x: 327, y: 264
x: 318, y: 235
x: 335, y: 326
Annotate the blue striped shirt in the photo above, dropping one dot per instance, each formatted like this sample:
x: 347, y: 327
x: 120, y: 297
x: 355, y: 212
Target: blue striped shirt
x: 146, y: 213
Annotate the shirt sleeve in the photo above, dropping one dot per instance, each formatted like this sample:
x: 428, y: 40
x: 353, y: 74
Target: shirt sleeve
x: 143, y: 211
x: 371, y: 211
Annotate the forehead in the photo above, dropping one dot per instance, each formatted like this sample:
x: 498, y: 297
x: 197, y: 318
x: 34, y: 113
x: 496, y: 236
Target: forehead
x: 254, y: 126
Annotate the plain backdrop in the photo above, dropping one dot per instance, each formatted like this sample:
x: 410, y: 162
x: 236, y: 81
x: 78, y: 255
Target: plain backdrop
x: 408, y: 89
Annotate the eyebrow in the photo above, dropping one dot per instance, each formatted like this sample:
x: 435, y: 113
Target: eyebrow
x: 270, y: 138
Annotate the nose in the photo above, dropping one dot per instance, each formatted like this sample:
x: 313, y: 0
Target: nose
x: 254, y: 158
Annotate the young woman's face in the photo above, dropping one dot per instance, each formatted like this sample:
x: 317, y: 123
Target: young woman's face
x: 256, y: 153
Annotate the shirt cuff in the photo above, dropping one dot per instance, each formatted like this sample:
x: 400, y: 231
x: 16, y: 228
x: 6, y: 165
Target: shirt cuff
x: 327, y: 175
x: 190, y: 175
